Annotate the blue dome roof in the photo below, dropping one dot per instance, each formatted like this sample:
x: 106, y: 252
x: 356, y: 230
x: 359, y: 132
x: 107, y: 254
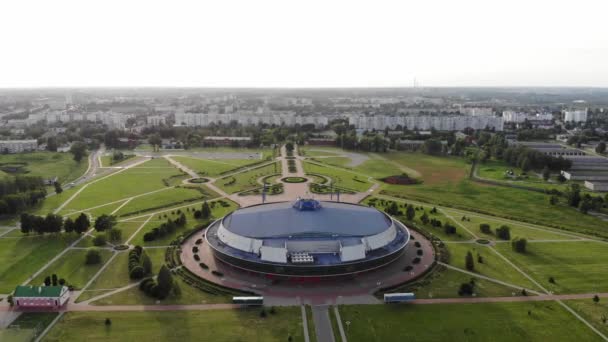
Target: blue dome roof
x: 306, y: 218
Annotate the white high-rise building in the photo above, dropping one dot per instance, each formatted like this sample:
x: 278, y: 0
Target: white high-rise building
x: 426, y: 122
x: 579, y: 115
x: 519, y: 117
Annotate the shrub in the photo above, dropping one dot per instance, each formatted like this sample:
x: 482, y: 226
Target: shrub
x: 196, y: 257
x: 417, y: 244
x: 99, y: 240
x: 466, y: 289
x: 419, y: 252
x: 217, y: 273
x: 203, y: 266
x: 199, y: 241
x: 92, y: 257
x: 485, y: 228
x: 449, y: 229
x: 503, y: 232
x: 194, y: 249
x: 519, y: 245
x: 416, y: 260
x: 408, y: 268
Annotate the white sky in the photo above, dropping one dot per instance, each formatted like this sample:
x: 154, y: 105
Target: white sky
x: 328, y: 43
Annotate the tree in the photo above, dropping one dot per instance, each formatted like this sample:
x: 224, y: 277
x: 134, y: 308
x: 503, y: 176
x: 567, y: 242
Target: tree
x: 289, y: 147
x: 47, y: 281
x: 115, y: 235
x: 69, y: 225
x: 81, y: 224
x: 553, y: 200
x: 485, y: 228
x: 53, y: 223
x: 155, y: 140
x: 560, y: 178
x: 78, y: 150
x: 600, y: 148
x: 469, y: 261
x: 525, y: 164
x: 105, y: 222
x: 99, y: 240
x: 596, y: 299
x: 165, y: 282
x: 58, y: 188
x: 146, y: 263
x: 573, y: 194
x: 410, y: 212
x: 26, y: 223
x: 546, y: 173
x: 503, y: 232
x: 205, y: 211
x: 54, y: 279
x: 92, y: 257
x: 519, y: 245
x: 424, y: 218
x: 585, y: 205
x: 432, y: 147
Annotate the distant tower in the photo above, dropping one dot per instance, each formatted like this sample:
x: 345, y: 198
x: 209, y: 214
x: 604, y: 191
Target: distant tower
x: 68, y: 100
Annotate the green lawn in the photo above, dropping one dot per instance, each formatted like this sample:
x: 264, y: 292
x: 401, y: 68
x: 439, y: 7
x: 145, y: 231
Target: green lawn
x: 134, y: 181
x: 213, y: 167
x: 216, y: 325
x: 445, y: 284
x: 217, y: 211
x: 22, y: 257
x: 461, y: 234
x: 48, y: 164
x: 335, y: 161
x: 71, y: 267
x: 445, y: 183
x: 161, y: 199
x: 116, y: 275
x: 189, y: 295
x: 315, y: 151
x: 340, y: 177
x: 594, y: 313
x: 246, y: 180
x: 491, y: 266
x: 547, y: 321
x: 496, y: 170
x: 517, y: 230
x: 577, y: 267
x: 29, y: 324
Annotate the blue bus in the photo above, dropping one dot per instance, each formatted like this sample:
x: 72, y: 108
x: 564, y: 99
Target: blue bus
x: 248, y: 300
x: 398, y: 297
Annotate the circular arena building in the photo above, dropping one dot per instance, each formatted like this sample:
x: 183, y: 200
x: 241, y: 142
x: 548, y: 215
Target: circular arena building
x: 307, y: 238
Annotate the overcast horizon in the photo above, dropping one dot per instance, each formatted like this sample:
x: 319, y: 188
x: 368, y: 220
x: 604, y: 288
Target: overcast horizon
x: 274, y: 44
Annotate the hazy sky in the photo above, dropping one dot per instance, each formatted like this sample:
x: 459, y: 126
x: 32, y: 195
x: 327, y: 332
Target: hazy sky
x: 256, y: 43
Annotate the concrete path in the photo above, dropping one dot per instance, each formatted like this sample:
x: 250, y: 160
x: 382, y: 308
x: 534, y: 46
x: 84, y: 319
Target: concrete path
x: 323, y: 329
x: 305, y: 323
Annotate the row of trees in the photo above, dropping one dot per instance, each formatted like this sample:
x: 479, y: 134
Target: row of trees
x: 20, y: 193
x: 166, y: 228
x: 140, y: 264
x: 52, y: 223
x: 162, y: 287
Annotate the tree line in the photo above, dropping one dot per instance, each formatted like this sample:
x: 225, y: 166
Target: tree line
x: 52, y: 223
x: 20, y: 193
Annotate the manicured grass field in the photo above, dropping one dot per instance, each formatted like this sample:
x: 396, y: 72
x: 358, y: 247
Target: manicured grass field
x: 29, y: 324
x: 48, y: 164
x: 169, y: 197
x: 335, y: 161
x: 491, y: 266
x: 461, y: 234
x: 212, y: 167
x: 445, y: 284
x: 138, y: 180
x: 577, y: 267
x: 340, y: 177
x: 547, y: 321
x: 217, y: 211
x: 246, y: 180
x: 116, y: 274
x: 215, y: 325
x: 189, y: 295
x: 501, y: 201
x: 496, y: 170
x: 594, y: 313
x: 378, y: 168
x: 517, y: 230
x: 22, y: 257
x: 71, y: 267
x: 316, y: 151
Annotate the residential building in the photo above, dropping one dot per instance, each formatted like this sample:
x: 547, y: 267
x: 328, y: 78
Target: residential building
x: 18, y: 146
x: 579, y: 115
